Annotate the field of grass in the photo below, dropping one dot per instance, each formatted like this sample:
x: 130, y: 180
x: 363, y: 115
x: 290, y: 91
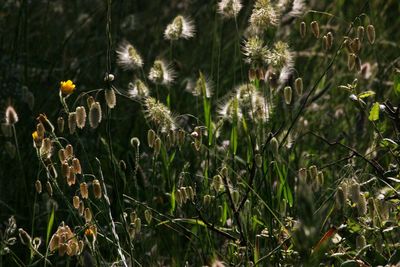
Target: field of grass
x: 199, y: 133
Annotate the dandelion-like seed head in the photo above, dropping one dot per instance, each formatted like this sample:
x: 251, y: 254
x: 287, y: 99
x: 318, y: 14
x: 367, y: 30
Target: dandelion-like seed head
x: 229, y: 8
x: 281, y: 56
x: 201, y: 87
x: 138, y: 89
x: 161, y: 73
x: 67, y: 87
x: 159, y: 114
x: 255, y: 51
x: 128, y: 58
x: 11, y: 116
x: 180, y: 27
x: 229, y: 110
x: 263, y: 16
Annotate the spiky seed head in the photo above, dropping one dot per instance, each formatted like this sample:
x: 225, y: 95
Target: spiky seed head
x: 298, y: 86
x: 49, y: 189
x: 80, y: 117
x: 161, y: 73
x: 229, y: 8
x: 287, y: 91
x: 263, y: 16
x: 329, y: 37
x: 274, y: 146
x: 255, y: 51
x: 281, y: 57
x: 11, y: 116
x: 371, y: 34
x: 95, y: 115
x: 110, y: 97
x: 38, y: 186
x: 351, y: 61
x: 84, y: 190
x: 315, y: 28
x: 75, y: 202
x: 360, y: 33
x: 303, y: 29
x: 72, y: 122
x: 159, y: 114
x: 88, y: 215
x: 138, y: 89
x: 97, y: 189
x: 201, y: 87
x: 180, y: 28
x: 60, y: 124
x: 128, y: 57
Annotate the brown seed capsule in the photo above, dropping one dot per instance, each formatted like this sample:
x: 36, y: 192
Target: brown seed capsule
x: 351, y: 61
x: 303, y: 174
x: 151, y: 137
x: 80, y: 117
x: 258, y: 159
x: 356, y: 45
x: 303, y: 29
x: 24, y: 237
x: 329, y: 36
x: 315, y: 28
x: 88, y: 215
x: 325, y: 43
x: 49, y: 189
x: 347, y: 45
x: 81, y: 209
x: 61, y: 155
x: 97, y: 189
x: 298, y: 86
x: 371, y: 34
x: 69, y: 151
x: 40, y: 130
x: 313, y: 172
x: 72, y: 122
x: 60, y: 124
x: 90, y: 100
x: 360, y: 33
x: 46, y: 148
x: 71, y: 179
x: 252, y: 74
x: 65, y: 169
x: 157, y: 146
x: 77, y: 166
x: 75, y: 202
x: 287, y: 91
x: 84, y: 190
x: 95, y: 115
x: 38, y: 186
x: 260, y: 74
x: 110, y: 98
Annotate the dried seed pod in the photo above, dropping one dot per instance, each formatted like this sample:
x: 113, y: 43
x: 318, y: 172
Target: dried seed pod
x: 325, y: 43
x: 287, y: 92
x: 360, y: 33
x: 65, y: 169
x: 303, y: 174
x: 351, y: 61
x: 362, y: 205
x: 157, y: 146
x: 355, y: 192
x: 46, y: 148
x: 371, y: 34
x: 298, y: 86
x: 315, y: 28
x: 340, y: 198
x: 38, y: 186
x: 97, y: 189
x: 90, y: 100
x: 61, y: 155
x: 133, y: 216
x: 206, y: 200
x: 88, y: 215
x: 81, y: 209
x: 72, y: 122
x: 303, y: 29
x: 252, y: 74
x: 77, y: 166
x: 71, y: 179
x: 356, y: 45
x: 148, y: 216
x: 84, y: 190
x: 260, y: 74
x: 329, y: 36
x: 49, y: 189
x: 40, y: 130
x: 178, y: 197
x: 217, y: 182
x: 95, y: 115
x: 313, y: 172
x: 110, y: 98
x: 60, y: 124
x: 151, y: 137
x: 138, y: 225
x: 69, y: 151
x: 80, y: 117
x: 191, y: 193
x: 320, y: 178
x: 76, y: 202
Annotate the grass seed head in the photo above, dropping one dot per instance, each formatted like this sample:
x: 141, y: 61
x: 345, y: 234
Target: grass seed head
x: 38, y: 186
x: 97, y: 189
x: 138, y: 89
x: 229, y: 8
x: 110, y: 97
x: 80, y: 117
x: 75, y: 202
x: 315, y: 28
x: 60, y: 124
x: 161, y: 73
x: 11, y: 116
x: 128, y: 58
x: 72, y: 122
x: 95, y: 115
x: 371, y: 34
x: 84, y: 190
x: 180, y: 28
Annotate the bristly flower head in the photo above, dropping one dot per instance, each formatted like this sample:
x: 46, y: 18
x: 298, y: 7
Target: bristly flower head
x: 291, y: 8
x: 255, y: 51
x: 229, y: 8
x: 138, y: 89
x: 180, y: 27
x: 67, y: 87
x: 263, y: 16
x: 159, y: 114
x: 161, y: 73
x: 201, y: 87
x: 128, y: 57
x: 281, y: 56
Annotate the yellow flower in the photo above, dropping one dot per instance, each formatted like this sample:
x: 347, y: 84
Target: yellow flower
x: 35, y: 136
x: 67, y: 87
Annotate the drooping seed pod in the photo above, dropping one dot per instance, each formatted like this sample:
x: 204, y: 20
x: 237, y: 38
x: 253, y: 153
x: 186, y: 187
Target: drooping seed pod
x: 80, y: 117
x: 274, y: 146
x: 191, y: 193
x: 371, y: 34
x: 260, y: 74
x: 329, y: 37
x: 88, y: 215
x: 178, y: 197
x: 340, y: 198
x: 356, y: 45
x: 185, y: 195
x: 258, y: 160
x: 49, y: 189
x: 303, y: 174
x: 95, y: 115
x: 75, y: 202
x: 206, y: 200
x: 11, y: 116
x: 71, y: 180
x: 40, y: 130
x: 24, y: 237
x: 320, y: 178
x: 235, y: 196
x: 46, y: 148
x: 65, y: 169
x: 217, y: 181
x: 157, y: 146
x: 325, y: 43
x: 351, y: 61
x: 84, y: 190
x: 90, y: 100
x: 97, y: 189
x: 315, y: 28
x: 362, y: 205
x: 151, y: 137
x: 60, y: 124
x: 298, y: 86
x: 81, y: 209
x: 131, y: 230
x: 287, y: 91
x: 72, y: 122
x: 355, y: 192
x: 148, y: 216
x: 138, y: 225
x: 303, y: 29
x: 61, y: 155
x: 360, y: 242
x: 357, y: 64
x: 38, y: 186
x: 252, y: 74
x: 313, y: 172
x: 133, y: 216
x: 110, y: 98
x: 360, y: 33
x: 224, y: 171
x: 77, y: 166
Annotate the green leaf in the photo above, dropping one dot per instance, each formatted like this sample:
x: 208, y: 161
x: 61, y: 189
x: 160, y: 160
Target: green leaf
x: 50, y: 226
x: 366, y: 94
x: 374, y: 113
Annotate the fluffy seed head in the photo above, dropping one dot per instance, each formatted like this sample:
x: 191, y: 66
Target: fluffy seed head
x: 281, y: 57
x: 161, y: 73
x: 229, y: 8
x: 11, y: 116
x: 138, y: 89
x: 110, y: 97
x: 95, y: 115
x: 80, y: 117
x: 180, y: 28
x: 159, y: 114
x: 263, y: 16
x: 255, y: 51
x: 202, y: 86
x: 128, y: 57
